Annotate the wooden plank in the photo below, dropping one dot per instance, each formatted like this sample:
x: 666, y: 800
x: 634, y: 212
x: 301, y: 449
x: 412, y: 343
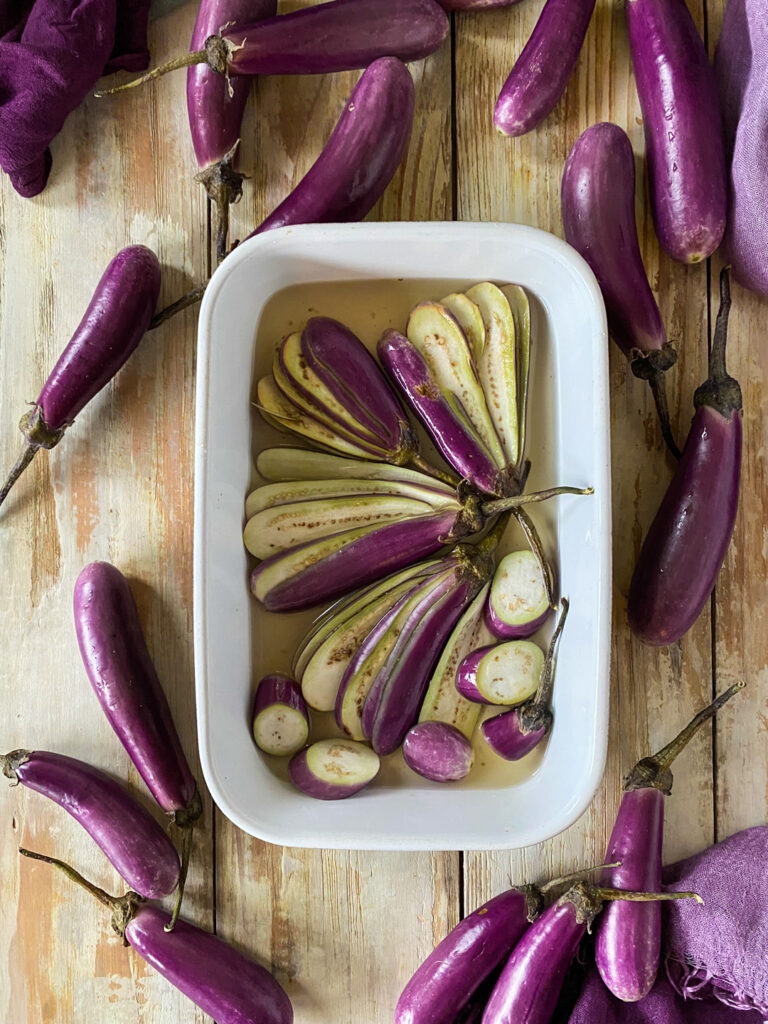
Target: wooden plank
x: 343, y: 931
x: 118, y: 488
x: 653, y: 692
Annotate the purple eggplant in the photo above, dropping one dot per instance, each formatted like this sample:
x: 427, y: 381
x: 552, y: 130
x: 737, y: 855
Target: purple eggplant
x: 454, y: 438
x: 223, y: 982
x: 125, y: 681
x: 628, y: 947
x: 686, y: 544
x: 333, y: 769
x: 683, y: 128
x: 516, y: 733
x: 215, y: 108
x: 598, y: 205
x: 280, y: 716
x: 504, y: 674
x: 530, y: 982
x: 116, y: 320
x: 538, y: 79
x: 519, y: 601
x: 438, y: 751
x: 474, y: 5
x: 128, y: 835
x: 361, y: 155
x: 340, y: 35
x: 446, y: 981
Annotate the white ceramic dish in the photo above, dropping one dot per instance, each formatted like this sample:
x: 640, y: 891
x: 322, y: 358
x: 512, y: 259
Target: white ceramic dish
x: 244, y: 309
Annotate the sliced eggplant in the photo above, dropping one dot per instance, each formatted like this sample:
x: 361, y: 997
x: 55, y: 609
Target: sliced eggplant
x: 469, y: 319
x: 333, y: 769
x: 521, y: 311
x: 497, y: 366
x: 504, y: 674
x: 280, y: 716
x: 518, y: 603
x: 272, y: 495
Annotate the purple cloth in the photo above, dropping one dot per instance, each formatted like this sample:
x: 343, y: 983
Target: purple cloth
x: 715, y: 957
x: 741, y: 65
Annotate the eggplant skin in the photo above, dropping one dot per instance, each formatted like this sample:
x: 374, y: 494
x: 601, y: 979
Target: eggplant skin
x: 628, y: 945
x: 598, y: 206
x: 228, y: 986
x: 116, y: 320
x: 683, y: 128
x: 685, y: 546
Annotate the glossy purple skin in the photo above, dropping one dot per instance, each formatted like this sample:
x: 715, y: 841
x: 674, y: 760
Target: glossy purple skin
x: 125, y: 681
x: 529, y: 985
x: 361, y: 156
x: 438, y: 751
x: 226, y: 985
x: 403, y: 692
x: 129, y: 836
x: 447, y: 979
x: 541, y: 73
x: 337, y: 36
x: 116, y: 320
x: 347, y: 368
x: 689, y: 536
x: 279, y: 689
x: 628, y: 945
x: 683, y: 129
x: 505, y: 737
x: 504, y: 631
x: 304, y: 780
x: 463, y: 451
x: 214, y: 105
x: 466, y: 674
x: 371, y: 557
x: 598, y: 205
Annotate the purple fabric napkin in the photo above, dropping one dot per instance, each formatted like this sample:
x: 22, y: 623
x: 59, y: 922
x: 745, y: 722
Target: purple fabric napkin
x: 715, y: 957
x: 741, y: 65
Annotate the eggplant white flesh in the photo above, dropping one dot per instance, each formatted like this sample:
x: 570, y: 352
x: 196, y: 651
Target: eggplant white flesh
x: 438, y: 751
x: 333, y: 769
x: 443, y: 702
x: 518, y: 603
x: 469, y: 319
x: 517, y: 298
x: 438, y: 337
x: 503, y: 674
x: 272, y: 495
x: 280, y: 717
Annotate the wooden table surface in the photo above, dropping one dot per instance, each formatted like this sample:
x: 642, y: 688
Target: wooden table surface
x: 342, y: 931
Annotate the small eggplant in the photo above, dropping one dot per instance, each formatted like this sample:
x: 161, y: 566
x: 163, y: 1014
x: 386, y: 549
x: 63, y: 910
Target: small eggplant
x: 280, y: 716
x: 125, y: 681
x: 504, y: 674
x: 223, y: 982
x: 116, y: 320
x: 628, y: 947
x: 686, y: 544
x: 541, y: 73
x: 438, y: 751
x: 128, y: 835
x: 598, y: 206
x: 333, y: 769
x: 516, y: 733
x: 530, y: 982
x: 519, y: 599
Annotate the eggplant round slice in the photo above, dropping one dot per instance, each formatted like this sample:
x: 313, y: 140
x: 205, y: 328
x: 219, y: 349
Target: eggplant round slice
x: 518, y: 603
x: 502, y: 674
x: 333, y: 769
x: 280, y: 717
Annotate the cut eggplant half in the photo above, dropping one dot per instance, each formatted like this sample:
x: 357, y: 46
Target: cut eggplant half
x: 333, y: 769
x: 469, y: 319
x: 280, y: 717
x: 518, y: 603
x: 521, y: 311
x: 503, y: 674
x: 438, y: 751
x: 275, y: 494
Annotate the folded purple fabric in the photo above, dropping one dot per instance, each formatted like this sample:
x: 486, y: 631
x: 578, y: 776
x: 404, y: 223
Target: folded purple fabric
x: 130, y: 51
x: 715, y: 967
x: 741, y: 65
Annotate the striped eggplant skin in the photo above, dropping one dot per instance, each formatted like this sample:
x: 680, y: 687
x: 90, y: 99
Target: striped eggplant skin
x: 341, y: 35
x: 128, y: 835
x: 125, y: 681
x: 438, y: 751
x: 456, y: 441
x: 475, y: 5
x: 506, y: 735
x: 224, y: 983
x: 357, y: 557
x: 598, y: 206
x: 541, y: 73
x: 683, y: 128
x: 451, y: 975
x: 628, y: 944
x: 361, y: 155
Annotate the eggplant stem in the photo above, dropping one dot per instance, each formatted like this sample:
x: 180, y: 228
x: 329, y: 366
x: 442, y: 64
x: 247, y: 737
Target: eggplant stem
x: 186, y: 850
x: 547, y: 681
x: 717, y: 369
x: 645, y: 897
x: 491, y: 508
x: 657, y: 384
x: 176, y: 307
x: 574, y: 876
x: 421, y: 463
x: 667, y: 754
x: 185, y: 61
x: 74, y: 876
x: 22, y: 462
x: 534, y: 542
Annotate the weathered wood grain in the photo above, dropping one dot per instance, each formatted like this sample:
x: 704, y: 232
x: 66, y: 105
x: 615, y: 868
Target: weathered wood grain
x: 119, y: 488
